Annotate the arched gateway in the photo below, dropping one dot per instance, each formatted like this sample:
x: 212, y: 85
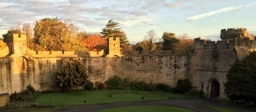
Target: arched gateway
x: 215, y: 89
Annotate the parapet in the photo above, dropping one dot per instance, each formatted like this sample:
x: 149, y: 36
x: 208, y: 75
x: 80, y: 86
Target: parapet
x: 232, y: 33
x: 200, y: 44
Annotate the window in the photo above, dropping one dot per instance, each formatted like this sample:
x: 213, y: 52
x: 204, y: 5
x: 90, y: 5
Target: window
x: 214, y: 63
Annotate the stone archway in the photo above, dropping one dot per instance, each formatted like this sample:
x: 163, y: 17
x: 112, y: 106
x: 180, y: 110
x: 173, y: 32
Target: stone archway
x: 215, y: 89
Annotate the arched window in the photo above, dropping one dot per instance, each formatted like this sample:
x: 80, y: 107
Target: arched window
x: 214, y: 63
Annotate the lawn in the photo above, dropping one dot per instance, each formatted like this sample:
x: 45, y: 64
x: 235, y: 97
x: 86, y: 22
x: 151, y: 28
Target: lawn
x: 147, y: 109
x: 218, y: 109
x: 103, y: 96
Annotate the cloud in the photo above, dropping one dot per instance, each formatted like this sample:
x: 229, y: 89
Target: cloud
x: 227, y: 9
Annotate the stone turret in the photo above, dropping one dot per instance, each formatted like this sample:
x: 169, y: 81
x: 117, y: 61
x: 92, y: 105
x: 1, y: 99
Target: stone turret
x: 17, y: 44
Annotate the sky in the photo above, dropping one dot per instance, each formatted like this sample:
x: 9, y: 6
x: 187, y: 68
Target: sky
x: 195, y: 18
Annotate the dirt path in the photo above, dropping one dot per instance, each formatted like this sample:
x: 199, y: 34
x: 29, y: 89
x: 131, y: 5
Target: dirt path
x: 196, y: 104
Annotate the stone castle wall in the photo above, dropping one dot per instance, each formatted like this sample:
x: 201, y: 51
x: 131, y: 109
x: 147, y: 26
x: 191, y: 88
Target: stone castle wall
x: 210, y: 61
x: 17, y: 73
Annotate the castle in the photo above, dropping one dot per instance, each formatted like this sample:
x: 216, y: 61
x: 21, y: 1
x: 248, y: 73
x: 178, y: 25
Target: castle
x: 206, y: 66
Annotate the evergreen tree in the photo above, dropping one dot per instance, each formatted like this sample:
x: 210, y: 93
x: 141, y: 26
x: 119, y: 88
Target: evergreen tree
x: 241, y: 78
x: 169, y: 41
x: 112, y: 29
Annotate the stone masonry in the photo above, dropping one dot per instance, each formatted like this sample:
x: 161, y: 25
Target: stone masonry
x: 206, y: 66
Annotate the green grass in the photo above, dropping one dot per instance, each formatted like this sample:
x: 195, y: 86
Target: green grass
x: 103, y: 96
x: 218, y: 109
x: 147, y: 109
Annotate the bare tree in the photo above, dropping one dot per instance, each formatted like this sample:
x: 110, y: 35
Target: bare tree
x: 148, y: 44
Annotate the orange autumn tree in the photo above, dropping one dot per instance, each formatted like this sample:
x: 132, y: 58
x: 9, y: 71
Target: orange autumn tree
x: 95, y: 42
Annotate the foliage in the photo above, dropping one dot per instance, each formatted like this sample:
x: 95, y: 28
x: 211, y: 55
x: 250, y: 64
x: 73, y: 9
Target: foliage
x: 141, y: 85
x: 21, y: 104
x: 10, y: 33
x: 126, y: 48
x: 163, y: 87
x: 241, y: 78
x: 2, y: 44
x: 24, y: 99
x: 94, y: 42
x: 54, y: 34
x: 169, y: 39
x: 30, y: 94
x: 183, y: 86
x: 148, y: 44
x: 114, y: 82
x: 89, y: 86
x: 117, y: 82
x: 184, y: 43
x: 71, y: 74
x: 112, y: 29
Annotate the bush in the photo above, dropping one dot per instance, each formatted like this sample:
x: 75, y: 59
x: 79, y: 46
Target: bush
x: 73, y: 74
x: 125, y: 84
x: 114, y: 82
x: 89, y: 86
x: 100, y: 85
x: 30, y: 94
x: 183, y: 86
x: 141, y: 85
x: 21, y: 104
x: 163, y: 87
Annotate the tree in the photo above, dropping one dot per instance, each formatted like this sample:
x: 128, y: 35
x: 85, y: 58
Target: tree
x: 71, y: 75
x: 184, y: 43
x: 169, y: 39
x: 10, y: 33
x: 183, y: 86
x: 51, y: 33
x: 148, y: 44
x: 2, y: 44
x: 112, y: 29
x: 94, y: 42
x: 26, y: 29
x: 241, y: 78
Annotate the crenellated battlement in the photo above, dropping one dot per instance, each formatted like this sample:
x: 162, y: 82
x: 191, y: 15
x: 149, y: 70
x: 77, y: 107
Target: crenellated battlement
x: 203, y: 44
x: 232, y: 33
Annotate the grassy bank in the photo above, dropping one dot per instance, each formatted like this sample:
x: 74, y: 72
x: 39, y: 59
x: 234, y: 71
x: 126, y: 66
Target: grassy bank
x: 103, y: 96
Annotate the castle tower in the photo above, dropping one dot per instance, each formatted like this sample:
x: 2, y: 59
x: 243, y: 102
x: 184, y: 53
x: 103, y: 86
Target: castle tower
x: 17, y: 44
x: 113, y: 46
x: 232, y: 33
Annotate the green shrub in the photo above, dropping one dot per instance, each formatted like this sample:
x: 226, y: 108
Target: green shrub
x: 21, y: 104
x: 30, y: 94
x: 183, y: 86
x: 141, y: 85
x: 163, y: 87
x: 114, y: 82
x: 125, y: 84
x: 150, y: 87
x: 89, y: 86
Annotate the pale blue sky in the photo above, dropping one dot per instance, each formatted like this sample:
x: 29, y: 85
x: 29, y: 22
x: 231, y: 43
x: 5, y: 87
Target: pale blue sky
x: 196, y: 18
